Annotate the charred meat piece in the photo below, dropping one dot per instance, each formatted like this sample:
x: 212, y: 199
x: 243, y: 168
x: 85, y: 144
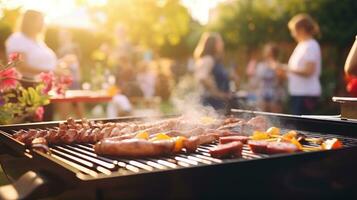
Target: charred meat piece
x: 258, y: 146
x: 27, y: 138
x: 233, y: 138
x: 62, y: 126
x: 231, y: 120
x: 259, y: 123
x: 227, y: 150
x: 105, y: 132
x: 281, y: 147
x: 70, y: 136
x: 40, y: 144
x: 19, y: 133
x: 51, y: 137
x: 80, y: 134
x: 92, y: 137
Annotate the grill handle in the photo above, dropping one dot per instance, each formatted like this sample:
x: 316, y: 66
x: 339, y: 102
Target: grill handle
x: 30, y: 185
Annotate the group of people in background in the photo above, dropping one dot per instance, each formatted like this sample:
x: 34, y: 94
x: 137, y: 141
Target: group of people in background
x: 274, y: 81
x: 302, y: 72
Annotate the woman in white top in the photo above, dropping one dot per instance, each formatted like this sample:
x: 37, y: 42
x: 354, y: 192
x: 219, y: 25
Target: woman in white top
x: 304, y: 67
x: 28, y: 41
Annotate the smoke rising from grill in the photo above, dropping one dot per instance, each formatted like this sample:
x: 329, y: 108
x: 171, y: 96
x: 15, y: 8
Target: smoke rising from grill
x: 192, y: 109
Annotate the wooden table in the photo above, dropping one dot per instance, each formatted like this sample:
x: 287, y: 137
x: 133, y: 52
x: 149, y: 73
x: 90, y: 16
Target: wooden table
x: 85, y: 96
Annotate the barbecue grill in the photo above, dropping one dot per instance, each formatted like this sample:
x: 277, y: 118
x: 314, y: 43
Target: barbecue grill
x: 327, y: 174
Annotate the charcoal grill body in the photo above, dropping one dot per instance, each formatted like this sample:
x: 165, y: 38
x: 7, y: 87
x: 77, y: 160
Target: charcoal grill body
x: 322, y: 174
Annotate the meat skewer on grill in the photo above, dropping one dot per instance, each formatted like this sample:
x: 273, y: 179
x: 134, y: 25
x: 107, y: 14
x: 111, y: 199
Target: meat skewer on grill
x: 89, y: 131
x: 112, y: 137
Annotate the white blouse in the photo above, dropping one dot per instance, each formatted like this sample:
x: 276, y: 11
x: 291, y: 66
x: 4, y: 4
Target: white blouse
x: 306, y: 51
x: 37, y: 53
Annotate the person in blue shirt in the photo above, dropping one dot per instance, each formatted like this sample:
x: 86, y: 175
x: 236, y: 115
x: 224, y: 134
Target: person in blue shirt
x: 212, y: 77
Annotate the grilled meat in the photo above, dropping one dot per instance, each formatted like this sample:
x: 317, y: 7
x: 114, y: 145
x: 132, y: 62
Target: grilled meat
x: 227, y: 150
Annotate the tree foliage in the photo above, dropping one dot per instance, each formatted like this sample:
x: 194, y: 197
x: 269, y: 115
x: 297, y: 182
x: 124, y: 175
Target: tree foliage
x: 154, y: 24
x: 254, y: 22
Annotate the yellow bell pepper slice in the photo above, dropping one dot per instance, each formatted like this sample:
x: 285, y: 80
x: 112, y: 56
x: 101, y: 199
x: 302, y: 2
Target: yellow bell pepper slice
x: 273, y: 131
x: 258, y: 135
x: 297, y: 143
x: 178, y: 143
x: 142, y: 135
x: 290, y: 135
x: 160, y: 136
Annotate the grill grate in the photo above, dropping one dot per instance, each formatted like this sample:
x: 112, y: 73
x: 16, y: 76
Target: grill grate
x: 83, y: 158
x: 88, y: 164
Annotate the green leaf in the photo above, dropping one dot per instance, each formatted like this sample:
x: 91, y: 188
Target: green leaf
x: 32, y: 96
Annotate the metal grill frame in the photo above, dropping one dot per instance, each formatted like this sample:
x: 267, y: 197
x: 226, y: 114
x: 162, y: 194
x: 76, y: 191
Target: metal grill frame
x: 72, y: 178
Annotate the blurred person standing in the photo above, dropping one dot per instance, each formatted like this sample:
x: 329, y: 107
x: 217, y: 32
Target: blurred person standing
x: 252, y: 82
x: 36, y: 56
x: 304, y: 67
x: 28, y: 41
x: 270, y: 88
x: 351, y: 70
x: 351, y: 61
x: 210, y: 72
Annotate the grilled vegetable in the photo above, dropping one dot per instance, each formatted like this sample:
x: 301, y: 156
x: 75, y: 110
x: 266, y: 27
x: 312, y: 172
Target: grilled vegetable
x: 160, y: 136
x: 142, y: 135
x: 332, y: 144
x: 273, y: 131
x: 179, y: 143
x: 258, y: 135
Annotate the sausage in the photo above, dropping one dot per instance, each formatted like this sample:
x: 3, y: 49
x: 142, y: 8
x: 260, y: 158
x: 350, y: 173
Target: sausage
x: 258, y: 146
x: 134, y: 147
x: 228, y: 139
x: 227, y: 150
x: 281, y: 147
x: 206, y: 138
x: 191, y: 144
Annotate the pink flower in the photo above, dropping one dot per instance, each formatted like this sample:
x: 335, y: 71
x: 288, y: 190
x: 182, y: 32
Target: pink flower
x: 39, y: 113
x: 66, y: 80
x: 14, y: 57
x: 9, y: 78
x: 47, y: 79
x: 60, y: 89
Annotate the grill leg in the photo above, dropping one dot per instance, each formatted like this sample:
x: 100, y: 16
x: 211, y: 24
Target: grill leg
x: 31, y: 185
